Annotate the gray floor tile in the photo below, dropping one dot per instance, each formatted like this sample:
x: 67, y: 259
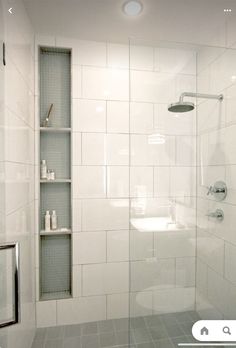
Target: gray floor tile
x: 158, y: 333
x: 90, y: 341
x: 73, y: 331
x: 146, y: 345
x: 107, y: 339
x: 141, y: 335
x: 153, y: 321
x: 174, y: 331
x: 177, y: 340
x: 72, y: 342
x: 55, y: 333
x: 105, y: 326
x: 89, y: 328
x: 183, y: 317
x: 121, y: 324
x: 54, y: 344
x: 163, y: 343
x: 138, y: 322
x: 123, y: 338
x: 168, y: 319
x: 194, y: 315
x: 187, y: 328
x: 40, y: 334
x: 36, y: 344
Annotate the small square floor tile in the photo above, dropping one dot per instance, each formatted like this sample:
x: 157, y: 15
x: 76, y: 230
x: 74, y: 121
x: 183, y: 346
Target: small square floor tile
x: 89, y: 328
x: 90, y: 341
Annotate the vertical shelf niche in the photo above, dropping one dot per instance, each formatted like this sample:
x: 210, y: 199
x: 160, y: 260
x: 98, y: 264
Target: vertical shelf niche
x: 55, y: 148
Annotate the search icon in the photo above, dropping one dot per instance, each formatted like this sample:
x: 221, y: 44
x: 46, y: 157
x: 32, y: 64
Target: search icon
x: 226, y: 330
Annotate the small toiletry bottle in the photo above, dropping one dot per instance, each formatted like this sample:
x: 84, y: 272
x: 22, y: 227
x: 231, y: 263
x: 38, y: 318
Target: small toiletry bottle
x: 43, y: 169
x: 48, y: 174
x: 54, y: 220
x: 47, y: 221
x: 52, y: 175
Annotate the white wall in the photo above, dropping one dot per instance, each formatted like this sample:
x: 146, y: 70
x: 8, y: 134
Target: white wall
x: 216, y: 242
x: 132, y: 161
x: 17, y: 163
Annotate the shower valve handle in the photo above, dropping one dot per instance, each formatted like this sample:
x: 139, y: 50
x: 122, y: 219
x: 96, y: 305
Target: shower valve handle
x: 218, y: 190
x: 218, y: 214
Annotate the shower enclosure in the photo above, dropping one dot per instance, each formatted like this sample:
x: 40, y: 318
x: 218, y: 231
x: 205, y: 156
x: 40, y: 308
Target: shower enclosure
x: 153, y: 244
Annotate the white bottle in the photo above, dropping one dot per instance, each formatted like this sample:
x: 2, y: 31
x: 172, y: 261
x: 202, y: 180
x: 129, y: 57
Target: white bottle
x: 47, y: 221
x: 54, y: 220
x: 43, y: 169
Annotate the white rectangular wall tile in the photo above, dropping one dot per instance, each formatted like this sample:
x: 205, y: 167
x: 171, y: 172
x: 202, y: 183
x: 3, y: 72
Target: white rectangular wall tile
x: 141, y: 303
x: 117, y: 149
x: 152, y: 150
x: 230, y: 258
x: 82, y: 310
x: 141, y: 181
x: 89, y: 247
x: 175, y: 61
x: 106, y: 278
x: 118, y: 306
x: 109, y: 84
x: 117, y: 246
x: 118, y: 181
x: 175, y: 244
x: 46, y: 314
x: 89, y: 115
x: 185, y: 272
x: 117, y: 56
x: 92, y: 53
x: 77, y: 150
x: 152, y: 275
x: 76, y: 215
x: 141, y: 118
x: 174, y: 300
x: 117, y: 117
x: 77, y: 280
x: 105, y: 214
x: 93, y: 149
x: 141, y: 57
x: 89, y: 181
x: 141, y: 245
x: 211, y: 250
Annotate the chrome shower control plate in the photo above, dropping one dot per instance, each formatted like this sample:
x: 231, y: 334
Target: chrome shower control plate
x: 219, y: 190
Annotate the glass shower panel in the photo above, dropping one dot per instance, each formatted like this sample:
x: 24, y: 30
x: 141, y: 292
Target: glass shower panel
x: 216, y: 243
x: 163, y: 192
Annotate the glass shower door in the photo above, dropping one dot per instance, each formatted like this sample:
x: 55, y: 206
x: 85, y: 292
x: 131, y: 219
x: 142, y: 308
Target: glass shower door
x: 163, y: 194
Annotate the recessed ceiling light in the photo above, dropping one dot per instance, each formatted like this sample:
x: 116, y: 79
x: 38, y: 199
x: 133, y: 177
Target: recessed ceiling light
x: 132, y: 8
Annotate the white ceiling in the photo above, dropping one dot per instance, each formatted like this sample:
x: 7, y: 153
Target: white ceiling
x: 198, y: 21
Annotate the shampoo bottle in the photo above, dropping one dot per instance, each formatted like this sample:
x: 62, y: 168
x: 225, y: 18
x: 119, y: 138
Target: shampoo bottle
x: 47, y: 221
x: 43, y: 169
x: 54, y: 220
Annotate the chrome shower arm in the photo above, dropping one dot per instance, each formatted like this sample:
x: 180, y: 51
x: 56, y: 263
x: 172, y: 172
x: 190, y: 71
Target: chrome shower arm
x: 219, y: 97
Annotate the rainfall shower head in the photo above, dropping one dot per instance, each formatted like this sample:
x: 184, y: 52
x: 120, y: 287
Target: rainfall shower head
x: 182, y: 106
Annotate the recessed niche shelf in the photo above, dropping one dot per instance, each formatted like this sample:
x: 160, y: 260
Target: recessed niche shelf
x: 59, y: 295
x: 55, y: 147
x: 55, y: 232
x: 55, y: 266
x: 56, y: 181
x: 55, y: 87
x: 56, y: 197
x: 55, y: 130
x: 56, y: 150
